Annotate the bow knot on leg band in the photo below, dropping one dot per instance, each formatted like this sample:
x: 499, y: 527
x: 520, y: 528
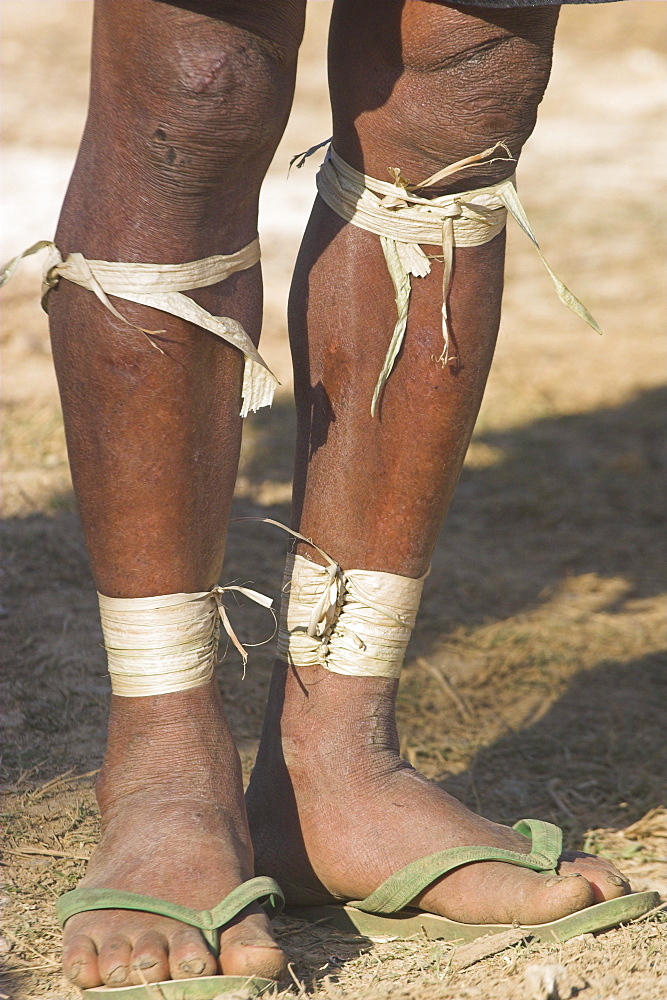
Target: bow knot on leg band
x: 355, y: 622
x: 161, y: 286
x: 157, y: 645
x: 405, y: 220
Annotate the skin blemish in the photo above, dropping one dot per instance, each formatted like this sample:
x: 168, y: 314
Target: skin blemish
x: 204, y: 80
x: 160, y: 134
x: 171, y: 155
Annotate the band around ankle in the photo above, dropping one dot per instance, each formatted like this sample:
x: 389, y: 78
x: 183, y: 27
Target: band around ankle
x: 158, y: 645
x: 354, y: 622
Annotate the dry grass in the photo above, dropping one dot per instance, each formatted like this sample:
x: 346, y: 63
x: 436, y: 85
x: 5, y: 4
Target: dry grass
x: 535, y: 680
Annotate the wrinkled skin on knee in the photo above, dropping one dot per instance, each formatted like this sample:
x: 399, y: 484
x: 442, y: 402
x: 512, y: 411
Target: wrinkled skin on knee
x: 434, y: 84
x: 200, y: 100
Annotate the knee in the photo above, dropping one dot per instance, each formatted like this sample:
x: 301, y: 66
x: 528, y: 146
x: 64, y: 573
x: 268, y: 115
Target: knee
x: 464, y: 85
x: 487, y: 90
x: 226, y: 106
x: 195, y: 104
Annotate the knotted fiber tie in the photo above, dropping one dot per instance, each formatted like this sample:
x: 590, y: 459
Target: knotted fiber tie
x: 157, y: 645
x: 354, y: 622
x: 160, y: 286
x: 403, y: 220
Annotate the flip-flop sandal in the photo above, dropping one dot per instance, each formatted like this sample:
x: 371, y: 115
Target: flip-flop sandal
x: 263, y: 890
x: 386, y: 913
x: 200, y: 988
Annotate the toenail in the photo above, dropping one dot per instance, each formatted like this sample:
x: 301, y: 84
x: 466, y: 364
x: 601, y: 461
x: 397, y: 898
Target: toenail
x: 616, y: 879
x: 74, y: 970
x: 263, y: 943
x: 117, y: 975
x: 555, y: 879
x: 145, y: 963
x: 195, y: 967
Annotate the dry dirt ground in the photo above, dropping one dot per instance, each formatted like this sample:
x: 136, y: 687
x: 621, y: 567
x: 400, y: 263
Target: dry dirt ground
x: 535, y: 680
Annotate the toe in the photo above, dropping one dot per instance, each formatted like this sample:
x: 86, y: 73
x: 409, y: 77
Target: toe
x: 612, y: 885
x: 189, y: 955
x: 495, y: 893
x: 551, y: 897
x: 150, y: 962
x: 80, y: 961
x: 607, y: 881
x: 247, y: 948
x: 114, y: 961
x: 605, y: 884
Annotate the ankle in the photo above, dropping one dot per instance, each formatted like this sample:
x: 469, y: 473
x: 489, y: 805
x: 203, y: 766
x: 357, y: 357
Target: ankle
x: 169, y: 745
x: 187, y: 776
x: 313, y: 714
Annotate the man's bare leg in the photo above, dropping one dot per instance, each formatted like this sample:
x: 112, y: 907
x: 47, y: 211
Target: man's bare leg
x: 418, y: 86
x: 188, y: 102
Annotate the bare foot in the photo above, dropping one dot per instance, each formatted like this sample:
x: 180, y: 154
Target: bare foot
x: 173, y: 826
x: 334, y: 811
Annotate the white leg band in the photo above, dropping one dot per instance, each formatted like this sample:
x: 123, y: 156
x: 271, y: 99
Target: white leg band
x: 405, y: 220
x: 161, y: 286
x: 356, y: 622
x: 157, y: 645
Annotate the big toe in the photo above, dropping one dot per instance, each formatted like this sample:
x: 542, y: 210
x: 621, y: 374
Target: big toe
x: 546, y: 897
x: 247, y: 948
x: 497, y: 893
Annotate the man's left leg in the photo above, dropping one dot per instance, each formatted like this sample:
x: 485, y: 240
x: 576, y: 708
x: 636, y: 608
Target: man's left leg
x: 416, y: 86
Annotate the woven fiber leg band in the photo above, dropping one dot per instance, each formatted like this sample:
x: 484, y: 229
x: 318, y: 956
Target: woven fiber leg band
x: 157, y: 645
x: 355, y: 622
x: 404, y: 220
x: 161, y: 286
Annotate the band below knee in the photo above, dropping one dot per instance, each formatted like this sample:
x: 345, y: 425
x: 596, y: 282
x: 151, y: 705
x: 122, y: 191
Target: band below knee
x: 405, y: 219
x: 161, y: 287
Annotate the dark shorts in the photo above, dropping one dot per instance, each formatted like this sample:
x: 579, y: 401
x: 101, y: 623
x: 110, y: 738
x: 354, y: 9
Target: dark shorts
x: 524, y: 3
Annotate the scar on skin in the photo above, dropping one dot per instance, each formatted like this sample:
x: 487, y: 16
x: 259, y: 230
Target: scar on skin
x: 204, y: 81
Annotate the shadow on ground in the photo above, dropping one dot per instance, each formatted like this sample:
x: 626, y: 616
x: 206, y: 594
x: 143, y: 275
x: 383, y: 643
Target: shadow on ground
x: 560, y: 499
x: 596, y: 757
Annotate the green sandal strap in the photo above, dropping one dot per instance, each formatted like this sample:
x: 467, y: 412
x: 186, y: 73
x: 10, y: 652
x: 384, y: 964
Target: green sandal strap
x: 263, y: 890
x: 401, y: 888
x: 546, y: 840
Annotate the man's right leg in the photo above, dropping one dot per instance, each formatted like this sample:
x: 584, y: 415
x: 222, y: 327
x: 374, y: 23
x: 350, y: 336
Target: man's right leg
x: 188, y: 102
